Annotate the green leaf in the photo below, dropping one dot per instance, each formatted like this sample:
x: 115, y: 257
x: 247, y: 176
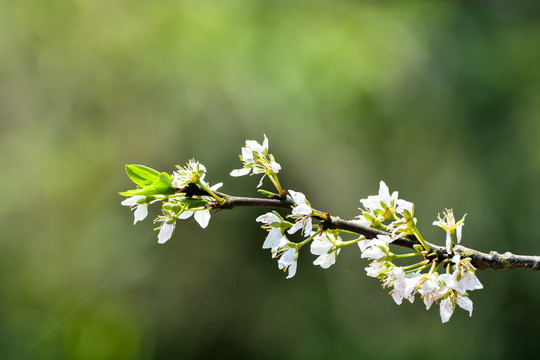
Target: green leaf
x: 163, y: 184
x: 158, y: 187
x: 142, y: 175
x: 166, y: 178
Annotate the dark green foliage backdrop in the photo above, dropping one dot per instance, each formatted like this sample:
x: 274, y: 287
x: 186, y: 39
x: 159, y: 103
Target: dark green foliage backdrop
x: 440, y: 100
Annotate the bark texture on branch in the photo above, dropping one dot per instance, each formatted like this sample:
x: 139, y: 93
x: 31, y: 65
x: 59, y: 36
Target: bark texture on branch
x: 480, y: 260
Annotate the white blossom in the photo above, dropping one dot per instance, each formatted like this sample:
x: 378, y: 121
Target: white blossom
x: 302, y: 212
x: 275, y: 240
x: 463, y: 278
x: 465, y: 303
x: 288, y: 261
x: 191, y: 173
x: 405, y: 285
x: 256, y: 160
x: 431, y: 290
x: 446, y: 309
x: 141, y: 209
x: 324, y: 245
x: 166, y: 232
x: 375, y: 248
x: 375, y: 202
x: 376, y: 268
x: 269, y: 218
x: 450, y: 225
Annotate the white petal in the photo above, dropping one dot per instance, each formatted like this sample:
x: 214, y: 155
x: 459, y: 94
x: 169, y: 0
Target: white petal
x: 458, y: 233
x: 321, y: 245
x: 448, y: 242
x: 384, y: 192
x: 185, y: 214
x: 247, y: 155
x: 412, y: 283
x: 275, y: 167
x: 165, y: 233
x: 132, y: 201
x: 297, y: 226
x: 268, y: 218
x: 298, y: 197
x: 375, y: 269
x: 374, y: 253
x: 398, y: 298
x: 302, y: 209
x: 287, y: 259
x: 405, y: 205
x: 308, y: 226
x: 363, y: 244
x: 201, y: 167
x: 254, y: 146
x: 273, y: 239
x: 446, y: 309
x: 140, y: 213
x: 202, y: 217
x: 465, y: 303
x: 217, y: 186
x: 265, y: 143
x: 240, y: 172
x: 327, y: 260
x: 472, y: 282
x: 292, y: 270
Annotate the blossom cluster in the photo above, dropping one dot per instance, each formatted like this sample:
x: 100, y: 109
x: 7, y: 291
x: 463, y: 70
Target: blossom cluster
x: 178, y: 205
x: 387, y: 212
x: 257, y: 161
x: 444, y: 279
x: 448, y: 288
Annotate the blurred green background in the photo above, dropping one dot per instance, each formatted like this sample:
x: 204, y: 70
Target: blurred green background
x: 439, y: 99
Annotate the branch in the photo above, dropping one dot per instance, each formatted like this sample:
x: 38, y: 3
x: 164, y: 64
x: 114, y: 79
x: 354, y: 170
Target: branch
x: 480, y: 260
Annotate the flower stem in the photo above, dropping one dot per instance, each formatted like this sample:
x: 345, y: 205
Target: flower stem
x: 420, y: 238
x: 276, y: 183
x: 416, y: 267
x: 401, y: 256
x: 347, y: 243
x: 299, y: 245
x: 207, y: 189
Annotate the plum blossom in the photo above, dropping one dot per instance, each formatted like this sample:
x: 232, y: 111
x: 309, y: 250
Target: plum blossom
x: 302, y: 212
x: 141, y: 208
x: 431, y: 289
x: 191, y: 173
x: 405, y: 285
x: 256, y: 160
x: 376, y: 248
x: 381, y: 201
x: 275, y: 238
x: 463, y: 278
x: 440, y: 287
x: 325, y: 245
x: 284, y: 250
x: 288, y: 261
x: 446, y: 309
x: 167, y: 227
x: 386, y: 206
x: 376, y: 268
x: 450, y: 225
